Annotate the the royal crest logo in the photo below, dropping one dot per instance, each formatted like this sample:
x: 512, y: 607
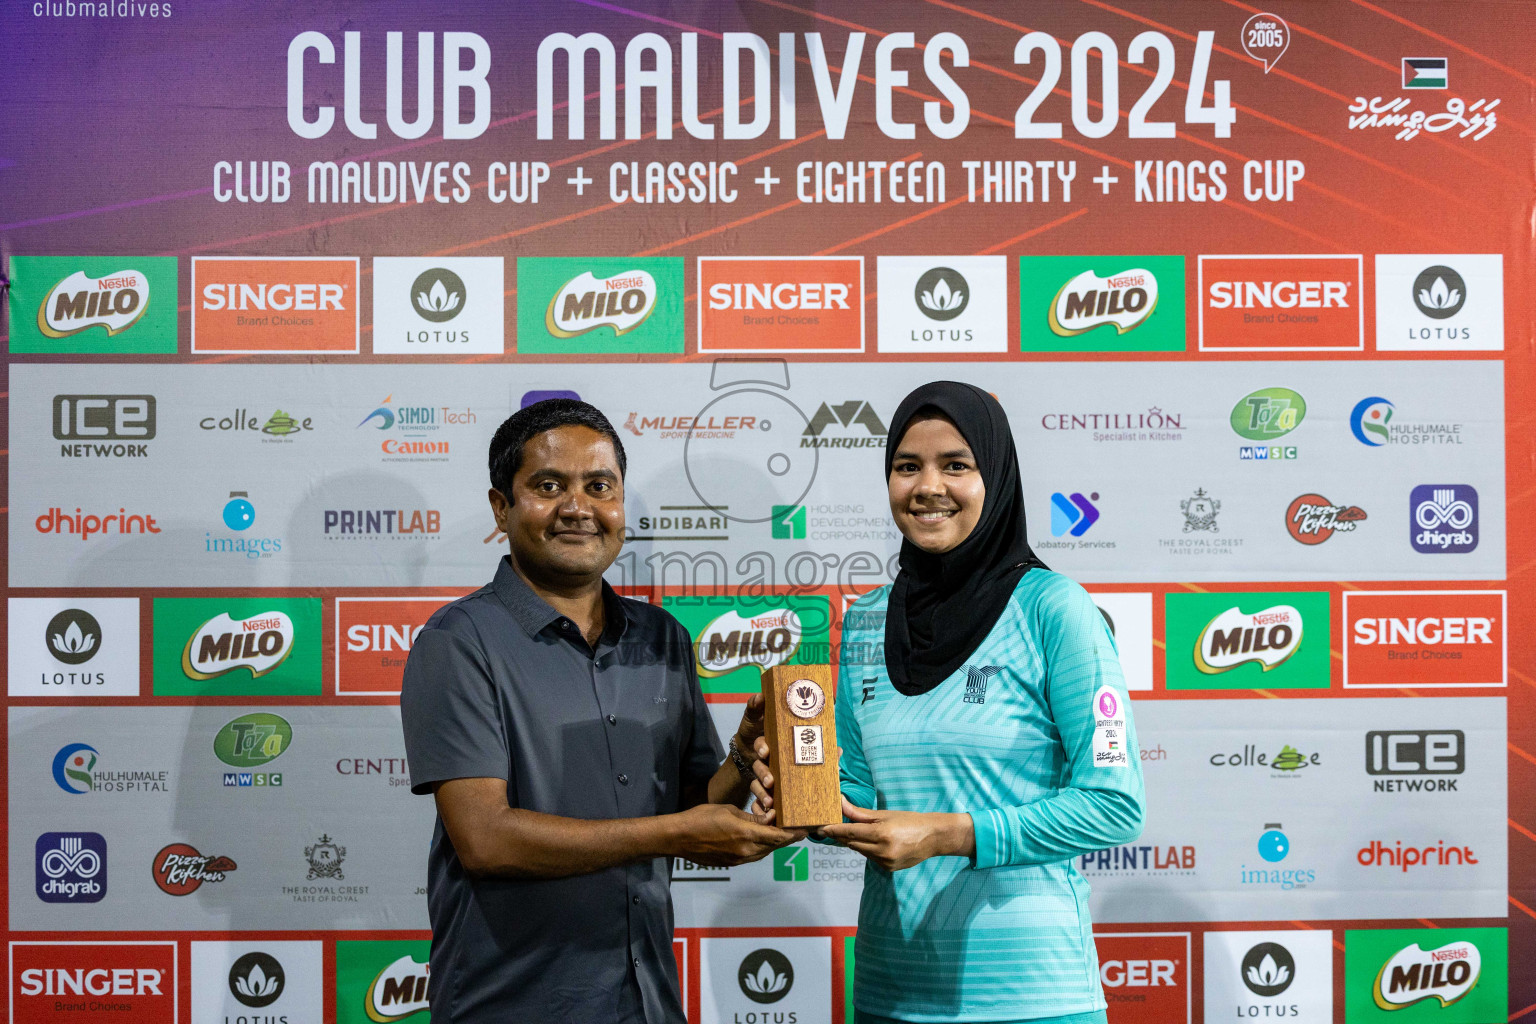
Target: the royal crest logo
x: 1236, y: 638
x: 114, y: 302
x: 222, y: 644
x: 1413, y: 975
x: 181, y: 870
x: 1312, y: 518
x: 1123, y: 301
x: 622, y: 301
x: 325, y: 859
x: 1200, y: 511
x: 734, y: 641
x: 397, y: 991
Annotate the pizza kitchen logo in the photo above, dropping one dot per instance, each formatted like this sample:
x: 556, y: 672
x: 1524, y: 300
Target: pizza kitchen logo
x: 1124, y: 301
x: 1235, y: 637
x: 180, y: 870
x: 621, y: 301
x: 1312, y: 519
x: 221, y: 645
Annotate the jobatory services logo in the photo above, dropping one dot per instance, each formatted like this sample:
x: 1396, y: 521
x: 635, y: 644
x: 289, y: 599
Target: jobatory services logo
x: 943, y: 304
x: 1272, y: 640
x: 93, y: 304
x: 1267, y: 415
x: 1417, y: 638
x: 1451, y: 974
x: 104, y: 426
x: 1281, y: 304
x: 71, y: 867
x: 180, y: 870
x: 1442, y: 519
x: 131, y: 982
x: 781, y: 304
x: 1376, y: 423
x: 289, y: 304
x: 373, y: 637
x: 1146, y: 976
x: 70, y: 647
x: 1264, y: 975
x: 1426, y: 73
x: 1101, y: 303
x: 1440, y: 302
x: 1073, y: 514
x: 428, y: 306
x: 1312, y: 519
x: 378, y: 982
x: 735, y: 638
x: 237, y: 646
x: 571, y: 306
x: 1415, y: 760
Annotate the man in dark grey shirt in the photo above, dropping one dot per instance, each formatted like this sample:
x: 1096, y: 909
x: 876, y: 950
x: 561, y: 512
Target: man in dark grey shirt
x: 563, y: 733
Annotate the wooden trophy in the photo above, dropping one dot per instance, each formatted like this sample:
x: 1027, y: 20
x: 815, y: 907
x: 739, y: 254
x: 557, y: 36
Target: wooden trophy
x: 802, y: 745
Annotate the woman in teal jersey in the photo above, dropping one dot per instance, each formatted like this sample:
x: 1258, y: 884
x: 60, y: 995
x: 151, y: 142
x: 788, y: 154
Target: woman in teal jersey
x: 989, y: 745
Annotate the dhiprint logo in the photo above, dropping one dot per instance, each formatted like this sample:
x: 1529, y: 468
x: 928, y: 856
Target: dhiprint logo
x: 1426, y: 73
x: 1073, y: 514
x: 942, y: 294
x: 256, y: 980
x: 73, y: 636
x: 1394, y: 854
x: 438, y: 295
x: 71, y: 867
x: 1440, y: 302
x: 93, y: 304
x: 765, y: 976
x: 1443, y: 519
x: 293, y: 304
x: 1311, y: 518
x: 180, y: 870
x: 943, y: 304
x: 1439, y: 292
x: 1268, y: 969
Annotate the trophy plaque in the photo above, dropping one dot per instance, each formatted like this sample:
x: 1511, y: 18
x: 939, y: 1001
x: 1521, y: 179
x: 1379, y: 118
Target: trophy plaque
x: 802, y: 745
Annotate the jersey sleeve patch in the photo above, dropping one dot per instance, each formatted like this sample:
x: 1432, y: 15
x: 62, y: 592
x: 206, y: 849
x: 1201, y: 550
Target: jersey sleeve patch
x: 1109, y: 736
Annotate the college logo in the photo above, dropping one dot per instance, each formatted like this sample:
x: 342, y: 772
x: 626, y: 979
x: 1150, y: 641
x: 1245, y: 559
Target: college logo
x: 179, y: 870
x: 244, y: 646
x: 71, y: 867
x: 93, y: 304
x: 1440, y: 302
x: 293, y: 304
x: 765, y: 976
x: 1460, y: 975
x: 781, y: 304
x: 1288, y: 761
x: 567, y: 306
x: 277, y: 428
x: 1412, y: 638
x: 104, y: 426
x: 734, y: 639
x: 1145, y: 976
x: 73, y: 636
x: 259, y: 643
x: 1312, y: 518
x: 1276, y: 640
x: 373, y: 637
x: 943, y: 303
x: 1443, y: 519
x: 1101, y: 303
x: 256, y: 980
x: 252, y: 740
x: 128, y: 981
x: 1426, y: 73
x: 1281, y: 304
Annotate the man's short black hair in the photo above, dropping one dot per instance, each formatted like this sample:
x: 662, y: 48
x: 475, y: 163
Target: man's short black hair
x: 526, y: 424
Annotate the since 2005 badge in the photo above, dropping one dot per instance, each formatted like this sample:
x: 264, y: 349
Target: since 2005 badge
x: 805, y: 698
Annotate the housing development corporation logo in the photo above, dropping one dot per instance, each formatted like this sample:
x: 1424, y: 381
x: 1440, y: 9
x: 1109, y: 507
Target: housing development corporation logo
x: 1281, y: 304
x: 1450, y: 302
x: 1454, y: 638
x: 71, y: 867
x: 1235, y: 640
x: 781, y: 304
x: 93, y: 304
x: 238, y: 646
x: 293, y: 304
x: 572, y: 306
x: 1443, y: 519
x: 943, y: 303
x: 1101, y: 303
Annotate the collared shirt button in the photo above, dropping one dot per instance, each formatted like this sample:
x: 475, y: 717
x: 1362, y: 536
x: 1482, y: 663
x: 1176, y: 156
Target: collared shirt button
x: 635, y: 900
x: 613, y: 720
x: 637, y: 961
x: 623, y: 780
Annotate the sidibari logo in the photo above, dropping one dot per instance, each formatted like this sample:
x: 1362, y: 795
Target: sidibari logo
x: 1268, y: 413
x: 584, y: 303
x: 397, y: 991
x: 180, y: 870
x: 765, y: 976
x: 1312, y: 518
x: 1412, y: 975
x: 733, y: 641
x: 114, y: 302
x: 256, y: 979
x: 1124, y: 301
x: 221, y: 645
x: 252, y: 740
x: 1236, y: 637
x: 438, y: 295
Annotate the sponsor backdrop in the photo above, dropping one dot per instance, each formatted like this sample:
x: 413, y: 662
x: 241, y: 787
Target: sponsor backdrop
x: 1253, y: 286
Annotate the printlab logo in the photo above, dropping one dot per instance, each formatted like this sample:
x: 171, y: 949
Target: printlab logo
x: 1443, y: 519
x: 438, y: 295
x: 1311, y: 518
x: 765, y: 976
x: 1200, y: 511
x: 1439, y: 292
x: 73, y: 636
x: 1268, y: 969
x: 71, y: 867
x: 942, y: 294
x: 325, y: 858
x: 1073, y: 514
x: 1426, y: 73
x: 256, y: 979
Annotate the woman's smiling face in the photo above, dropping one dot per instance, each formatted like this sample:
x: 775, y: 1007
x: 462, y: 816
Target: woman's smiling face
x: 935, y: 487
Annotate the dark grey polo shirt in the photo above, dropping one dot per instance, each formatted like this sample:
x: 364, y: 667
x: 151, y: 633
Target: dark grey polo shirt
x: 500, y: 685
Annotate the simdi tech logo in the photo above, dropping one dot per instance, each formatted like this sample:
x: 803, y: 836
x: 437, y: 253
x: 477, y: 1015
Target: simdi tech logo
x: 1413, y: 638
x: 237, y: 646
x: 378, y: 982
x: 943, y: 303
x: 432, y: 306
x: 1449, y: 975
x: 781, y: 304
x: 1101, y: 303
x: 735, y: 638
x: 291, y: 304
x: 573, y: 306
x: 93, y: 304
x: 130, y: 982
x: 1440, y: 302
x: 1230, y: 641
x: 1281, y: 304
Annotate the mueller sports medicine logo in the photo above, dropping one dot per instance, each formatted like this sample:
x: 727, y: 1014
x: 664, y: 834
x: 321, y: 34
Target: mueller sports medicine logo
x: 221, y: 645
x: 71, y: 867
x: 127, y: 981
x: 1235, y: 637
x: 1281, y: 303
x: 1452, y: 638
x: 103, y: 426
x: 787, y: 304
x: 622, y: 301
x: 114, y: 302
x: 1443, y: 519
x: 1412, y: 975
x: 288, y: 304
x: 1124, y: 301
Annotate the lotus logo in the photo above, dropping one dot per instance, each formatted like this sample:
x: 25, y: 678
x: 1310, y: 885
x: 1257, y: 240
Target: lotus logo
x: 73, y: 636
x: 1412, y: 975
x: 113, y: 302
x: 735, y: 641
x: 1236, y: 638
x: 398, y: 991
x: 1268, y: 969
x: 765, y: 976
x: 438, y: 295
x: 256, y: 979
x: 1124, y: 300
x: 1439, y: 292
x: 942, y: 294
x: 585, y: 303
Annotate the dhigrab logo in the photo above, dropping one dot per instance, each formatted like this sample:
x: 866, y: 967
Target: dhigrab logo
x: 1442, y: 519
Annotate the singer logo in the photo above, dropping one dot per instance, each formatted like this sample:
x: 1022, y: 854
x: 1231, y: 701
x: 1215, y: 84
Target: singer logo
x: 622, y: 302
x: 222, y: 644
x: 123, y: 982
x: 1411, y: 638
x: 1281, y: 304
x: 781, y: 304
x: 373, y: 637
x: 1145, y: 976
x: 294, y: 304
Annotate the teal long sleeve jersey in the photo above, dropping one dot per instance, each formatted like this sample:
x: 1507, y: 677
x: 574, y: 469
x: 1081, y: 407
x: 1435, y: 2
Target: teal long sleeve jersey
x: 1033, y: 737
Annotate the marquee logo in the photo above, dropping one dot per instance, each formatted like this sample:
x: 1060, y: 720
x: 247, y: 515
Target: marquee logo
x: 1311, y: 518
x: 398, y: 991
x: 180, y: 870
x: 71, y: 867
x: 290, y: 304
x: 127, y: 981
x: 784, y: 304
x: 1410, y: 638
x: 259, y: 643
x: 1235, y: 637
x: 623, y: 302
x: 847, y: 415
x: 734, y: 641
x: 1281, y: 303
x: 1123, y: 301
x: 574, y: 305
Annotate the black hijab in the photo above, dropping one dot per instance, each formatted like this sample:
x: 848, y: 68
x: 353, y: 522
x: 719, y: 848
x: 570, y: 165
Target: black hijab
x: 943, y: 606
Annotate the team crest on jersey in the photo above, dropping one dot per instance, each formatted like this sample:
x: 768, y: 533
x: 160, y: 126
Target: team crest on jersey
x: 976, y: 682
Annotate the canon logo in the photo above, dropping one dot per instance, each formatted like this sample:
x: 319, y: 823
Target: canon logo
x: 121, y: 981
x: 273, y: 296
x: 1137, y: 973
x: 787, y: 295
x: 1279, y: 294
x: 1470, y: 629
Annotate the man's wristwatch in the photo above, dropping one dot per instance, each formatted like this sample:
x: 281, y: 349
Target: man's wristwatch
x: 743, y: 764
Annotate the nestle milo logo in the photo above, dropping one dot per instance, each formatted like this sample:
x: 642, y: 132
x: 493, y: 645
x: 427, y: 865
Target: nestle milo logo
x: 734, y: 641
x: 114, y: 302
x: 585, y: 303
x: 1124, y: 301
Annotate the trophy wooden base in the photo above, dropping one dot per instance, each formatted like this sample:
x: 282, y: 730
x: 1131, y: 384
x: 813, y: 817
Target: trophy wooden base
x: 802, y: 745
